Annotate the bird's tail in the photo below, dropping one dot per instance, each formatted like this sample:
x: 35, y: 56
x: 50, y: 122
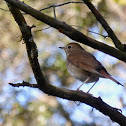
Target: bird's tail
x: 106, y: 75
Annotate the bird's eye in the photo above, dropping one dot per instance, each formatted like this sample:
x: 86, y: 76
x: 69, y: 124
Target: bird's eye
x: 69, y: 47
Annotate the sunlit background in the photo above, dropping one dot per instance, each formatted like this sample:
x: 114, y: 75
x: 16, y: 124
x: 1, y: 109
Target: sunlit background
x: 26, y: 106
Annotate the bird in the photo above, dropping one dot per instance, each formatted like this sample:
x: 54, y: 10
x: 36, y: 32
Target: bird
x: 83, y: 66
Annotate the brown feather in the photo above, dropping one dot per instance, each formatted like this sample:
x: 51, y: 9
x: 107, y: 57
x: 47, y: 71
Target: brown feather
x: 90, y: 65
x: 109, y: 77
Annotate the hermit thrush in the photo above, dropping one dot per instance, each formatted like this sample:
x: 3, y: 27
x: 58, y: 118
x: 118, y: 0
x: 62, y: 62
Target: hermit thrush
x: 84, y: 66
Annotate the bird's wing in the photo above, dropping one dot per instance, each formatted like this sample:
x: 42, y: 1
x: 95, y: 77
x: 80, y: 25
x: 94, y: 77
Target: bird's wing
x: 86, y: 62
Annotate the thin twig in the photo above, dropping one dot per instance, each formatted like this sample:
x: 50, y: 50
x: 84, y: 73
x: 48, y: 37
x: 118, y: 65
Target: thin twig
x: 4, y: 9
x: 24, y: 84
x: 104, y: 36
x: 59, y: 5
x: 54, y: 11
x: 42, y: 29
x: 33, y: 32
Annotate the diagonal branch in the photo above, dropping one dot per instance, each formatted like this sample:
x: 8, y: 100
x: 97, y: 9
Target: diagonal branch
x: 68, y: 30
x: 105, y: 25
x: 72, y: 95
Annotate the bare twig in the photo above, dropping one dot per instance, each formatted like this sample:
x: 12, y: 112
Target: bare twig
x: 24, y: 84
x: 4, y: 9
x: 42, y: 29
x: 104, y: 36
x: 33, y: 32
x: 59, y: 5
x: 54, y: 11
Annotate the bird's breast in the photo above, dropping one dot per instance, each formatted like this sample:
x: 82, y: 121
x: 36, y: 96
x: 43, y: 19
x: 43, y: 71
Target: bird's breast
x: 76, y: 72
x: 79, y: 73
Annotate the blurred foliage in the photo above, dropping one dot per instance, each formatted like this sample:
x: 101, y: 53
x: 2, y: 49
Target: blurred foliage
x: 29, y: 107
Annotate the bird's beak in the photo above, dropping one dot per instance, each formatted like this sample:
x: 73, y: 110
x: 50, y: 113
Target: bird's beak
x: 62, y: 47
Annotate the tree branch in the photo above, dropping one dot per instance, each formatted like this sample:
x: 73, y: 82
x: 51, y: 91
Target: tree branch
x: 105, y: 25
x: 88, y: 99
x: 68, y: 30
x: 59, y: 5
x: 27, y: 84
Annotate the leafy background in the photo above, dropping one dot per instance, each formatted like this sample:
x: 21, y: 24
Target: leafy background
x: 27, y: 106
